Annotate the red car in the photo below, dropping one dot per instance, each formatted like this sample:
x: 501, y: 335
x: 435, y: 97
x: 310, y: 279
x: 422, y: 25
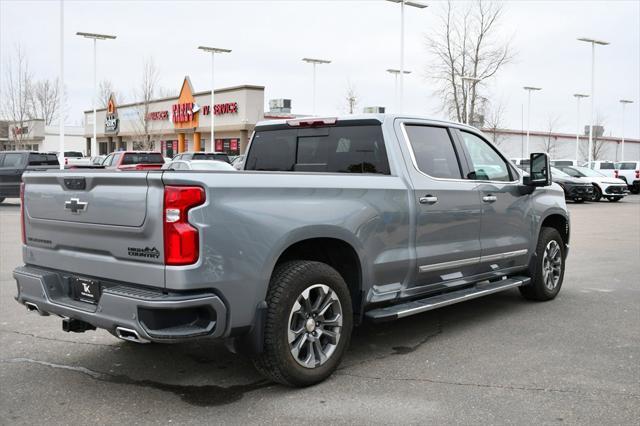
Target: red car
x: 134, y: 160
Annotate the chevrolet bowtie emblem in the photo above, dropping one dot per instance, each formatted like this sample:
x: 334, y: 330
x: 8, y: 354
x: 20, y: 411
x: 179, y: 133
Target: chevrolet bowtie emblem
x: 75, y: 205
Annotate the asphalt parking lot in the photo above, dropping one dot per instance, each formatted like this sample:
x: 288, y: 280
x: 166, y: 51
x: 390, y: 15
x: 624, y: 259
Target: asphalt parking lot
x: 497, y: 360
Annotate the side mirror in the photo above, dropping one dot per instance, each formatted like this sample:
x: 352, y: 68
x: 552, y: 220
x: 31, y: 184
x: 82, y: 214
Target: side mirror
x: 540, y: 171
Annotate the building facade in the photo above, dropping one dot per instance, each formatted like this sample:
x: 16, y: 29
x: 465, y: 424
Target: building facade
x: 563, y: 145
x: 34, y: 135
x: 181, y: 123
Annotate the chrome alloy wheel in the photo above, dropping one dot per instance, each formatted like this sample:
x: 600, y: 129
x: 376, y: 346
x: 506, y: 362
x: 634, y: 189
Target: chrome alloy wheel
x: 315, y: 324
x: 551, y: 265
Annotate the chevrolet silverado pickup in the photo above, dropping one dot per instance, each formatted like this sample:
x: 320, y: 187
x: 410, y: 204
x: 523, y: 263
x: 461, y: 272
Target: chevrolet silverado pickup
x: 333, y: 221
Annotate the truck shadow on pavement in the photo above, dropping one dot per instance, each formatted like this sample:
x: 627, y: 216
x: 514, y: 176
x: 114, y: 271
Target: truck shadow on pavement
x: 189, y: 370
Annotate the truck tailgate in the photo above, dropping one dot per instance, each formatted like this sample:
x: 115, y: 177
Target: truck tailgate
x: 96, y: 223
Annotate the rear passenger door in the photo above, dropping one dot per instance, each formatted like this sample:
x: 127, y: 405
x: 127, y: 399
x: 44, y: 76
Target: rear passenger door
x: 506, y: 227
x: 447, y: 206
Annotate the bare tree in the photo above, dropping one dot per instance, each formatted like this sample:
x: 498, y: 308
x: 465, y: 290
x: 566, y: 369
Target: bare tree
x: 351, y: 97
x: 16, y: 103
x: 494, y: 122
x: 550, y: 142
x: 598, y: 149
x: 45, y: 100
x: 105, y: 90
x: 466, y: 44
x: 145, y: 93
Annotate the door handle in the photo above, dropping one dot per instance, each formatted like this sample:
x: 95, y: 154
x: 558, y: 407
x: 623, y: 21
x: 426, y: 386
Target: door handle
x: 428, y: 199
x: 489, y: 198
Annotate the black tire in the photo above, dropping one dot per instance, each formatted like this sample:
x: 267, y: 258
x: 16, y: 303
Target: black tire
x: 536, y: 289
x: 615, y: 199
x: 288, y: 282
x: 635, y: 189
x: 1, y: 199
x: 578, y: 200
x: 597, y: 193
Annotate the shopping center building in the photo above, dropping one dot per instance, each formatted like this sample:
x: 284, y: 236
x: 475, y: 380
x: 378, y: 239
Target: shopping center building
x: 34, y: 135
x: 181, y: 123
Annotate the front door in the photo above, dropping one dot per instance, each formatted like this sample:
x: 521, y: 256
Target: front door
x: 506, y: 219
x: 12, y: 165
x: 448, y: 210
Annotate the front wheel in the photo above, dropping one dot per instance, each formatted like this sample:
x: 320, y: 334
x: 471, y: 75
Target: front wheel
x: 615, y: 199
x: 308, y: 324
x: 548, y: 268
x: 597, y: 193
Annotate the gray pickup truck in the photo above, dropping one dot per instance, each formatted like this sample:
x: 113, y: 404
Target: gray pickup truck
x: 333, y: 221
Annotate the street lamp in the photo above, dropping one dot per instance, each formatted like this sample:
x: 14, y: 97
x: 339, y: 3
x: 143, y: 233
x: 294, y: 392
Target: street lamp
x: 624, y: 103
x: 529, y: 89
x: 402, y: 5
x: 593, y: 94
x: 472, y: 82
x: 315, y: 62
x: 95, y: 37
x: 212, y: 112
x: 395, y: 73
x: 578, y: 96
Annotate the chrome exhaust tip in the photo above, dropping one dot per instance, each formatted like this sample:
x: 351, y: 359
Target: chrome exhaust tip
x: 129, y: 335
x: 31, y: 307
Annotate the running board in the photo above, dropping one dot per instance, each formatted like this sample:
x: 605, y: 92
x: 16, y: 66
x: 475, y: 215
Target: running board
x: 390, y: 313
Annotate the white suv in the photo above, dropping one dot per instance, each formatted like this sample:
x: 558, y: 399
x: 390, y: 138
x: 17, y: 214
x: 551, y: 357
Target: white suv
x: 629, y: 171
x: 603, y: 186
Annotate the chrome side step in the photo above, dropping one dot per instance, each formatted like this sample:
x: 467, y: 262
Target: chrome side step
x: 390, y: 313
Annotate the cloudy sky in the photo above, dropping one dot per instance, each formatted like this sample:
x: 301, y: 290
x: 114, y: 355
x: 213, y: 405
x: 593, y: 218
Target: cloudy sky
x: 269, y: 38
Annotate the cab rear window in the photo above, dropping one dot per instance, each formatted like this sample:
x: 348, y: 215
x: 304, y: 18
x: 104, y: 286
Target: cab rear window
x: 627, y: 166
x: 339, y: 149
x: 607, y: 166
x: 143, y: 158
x: 43, y: 160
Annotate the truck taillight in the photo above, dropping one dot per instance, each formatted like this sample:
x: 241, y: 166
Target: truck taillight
x: 616, y: 174
x: 637, y: 174
x: 24, y: 231
x: 181, y: 240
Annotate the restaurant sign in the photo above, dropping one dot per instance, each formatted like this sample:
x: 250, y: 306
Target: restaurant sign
x: 111, y: 119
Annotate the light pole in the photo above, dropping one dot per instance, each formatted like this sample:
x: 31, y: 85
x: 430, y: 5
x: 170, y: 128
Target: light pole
x: 315, y: 62
x: 212, y: 111
x: 624, y: 103
x: 529, y: 89
x: 395, y: 73
x: 578, y: 96
x: 593, y: 93
x: 402, y: 5
x: 95, y: 37
x: 472, y: 82
x: 61, y: 89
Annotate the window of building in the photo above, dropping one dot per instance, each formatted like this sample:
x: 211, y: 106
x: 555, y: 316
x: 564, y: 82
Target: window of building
x: 433, y: 151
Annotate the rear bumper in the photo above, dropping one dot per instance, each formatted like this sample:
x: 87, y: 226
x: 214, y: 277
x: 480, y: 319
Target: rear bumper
x: 153, y: 315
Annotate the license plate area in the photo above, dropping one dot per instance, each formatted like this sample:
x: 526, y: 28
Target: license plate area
x: 85, y: 290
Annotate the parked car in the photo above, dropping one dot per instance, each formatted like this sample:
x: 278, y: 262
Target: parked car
x: 607, y: 168
x: 629, y: 171
x: 98, y: 160
x: 134, y: 160
x: 335, y: 221
x: 238, y: 162
x: 14, y: 163
x: 198, y: 165
x: 611, y: 188
x: 76, y: 158
x: 576, y: 189
x: 558, y: 163
x: 187, y: 156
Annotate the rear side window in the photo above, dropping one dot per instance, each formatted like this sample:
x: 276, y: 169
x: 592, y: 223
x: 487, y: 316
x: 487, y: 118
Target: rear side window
x: 143, y: 158
x: 43, y: 160
x: 627, y: 166
x: 13, y: 160
x: 433, y: 151
x: 340, y: 149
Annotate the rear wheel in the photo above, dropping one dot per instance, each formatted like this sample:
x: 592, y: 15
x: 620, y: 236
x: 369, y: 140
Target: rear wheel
x: 597, y: 193
x: 1, y: 199
x: 548, y: 268
x: 614, y: 199
x: 308, y: 324
x: 578, y: 200
x: 635, y: 189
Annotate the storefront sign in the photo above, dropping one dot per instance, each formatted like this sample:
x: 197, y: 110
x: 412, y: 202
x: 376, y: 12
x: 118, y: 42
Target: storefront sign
x: 20, y: 130
x: 221, y: 109
x: 111, y: 119
x: 158, y: 115
x: 184, y: 114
